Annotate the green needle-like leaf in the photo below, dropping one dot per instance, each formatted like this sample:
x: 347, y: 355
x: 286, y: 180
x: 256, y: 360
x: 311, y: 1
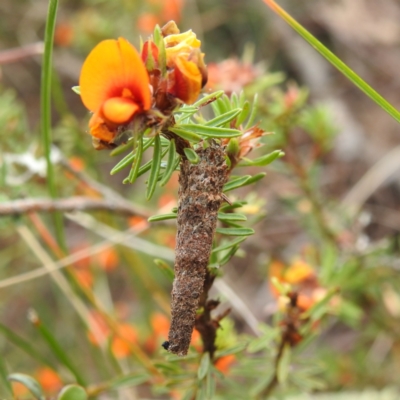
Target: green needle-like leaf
x: 134, y: 171
x: 253, y: 113
x: 185, y: 134
x: 335, y: 61
x: 121, y: 148
x: 191, y: 155
x: 170, y: 168
x: 132, y: 379
x: 155, y: 168
x: 162, y: 217
x: 244, y: 114
x: 131, y: 157
x: 204, y: 366
x: 228, y: 245
x: 231, y: 217
x: 230, y: 207
x: 210, y: 97
x: 225, y: 259
x: 235, y: 231
x: 235, y: 183
x: 255, y: 178
x: 261, y: 161
x: 224, y: 118
x: 210, y: 131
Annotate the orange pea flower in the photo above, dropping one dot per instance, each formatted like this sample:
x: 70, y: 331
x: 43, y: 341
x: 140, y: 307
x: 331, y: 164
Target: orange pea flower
x: 114, y: 85
x: 119, y: 85
x: 187, y: 72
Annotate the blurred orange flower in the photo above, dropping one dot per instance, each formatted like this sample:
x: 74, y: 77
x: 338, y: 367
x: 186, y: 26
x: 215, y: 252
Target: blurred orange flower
x: 84, y: 277
x: 303, y: 280
x: 49, y: 380
x: 231, y: 75
x: 63, y: 34
x: 223, y: 364
x: 96, y: 318
x: 147, y: 21
x: 138, y: 223
x: 114, y: 85
x: 107, y: 259
x: 120, y: 343
x: 160, y: 324
x: 19, y: 389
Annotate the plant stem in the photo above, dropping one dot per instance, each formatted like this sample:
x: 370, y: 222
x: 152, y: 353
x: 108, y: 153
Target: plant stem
x: 45, y: 103
x: 200, y: 196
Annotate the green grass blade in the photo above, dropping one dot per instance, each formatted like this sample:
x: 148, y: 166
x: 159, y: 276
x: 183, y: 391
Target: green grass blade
x: 25, y: 346
x: 56, y: 348
x: 335, y: 61
x: 155, y: 168
x: 45, y: 109
x: 3, y: 377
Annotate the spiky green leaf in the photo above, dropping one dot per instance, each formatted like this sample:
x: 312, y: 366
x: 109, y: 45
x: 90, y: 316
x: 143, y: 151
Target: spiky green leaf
x: 134, y: 171
x: 224, y: 118
x: 235, y: 183
x: 228, y: 245
x: 235, y: 231
x: 155, y: 168
x: 262, y: 161
x: 209, y: 131
x: 212, y: 97
x: 231, y: 217
x: 204, y: 366
x: 127, y: 160
x: 186, y: 134
x: 170, y: 168
x: 161, y: 217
